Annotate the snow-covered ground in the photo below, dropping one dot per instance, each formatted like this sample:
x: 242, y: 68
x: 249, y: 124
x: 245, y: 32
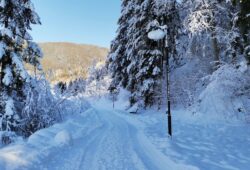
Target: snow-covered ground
x: 213, y: 146
x: 105, y: 138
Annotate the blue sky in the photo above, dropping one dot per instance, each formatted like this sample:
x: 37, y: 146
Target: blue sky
x: 78, y: 21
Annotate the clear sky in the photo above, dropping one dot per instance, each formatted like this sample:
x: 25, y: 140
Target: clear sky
x: 79, y: 21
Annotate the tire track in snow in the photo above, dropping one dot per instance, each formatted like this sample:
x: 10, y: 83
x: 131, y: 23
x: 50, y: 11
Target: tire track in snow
x: 110, y: 150
x: 109, y: 141
x: 145, y: 155
x: 70, y: 157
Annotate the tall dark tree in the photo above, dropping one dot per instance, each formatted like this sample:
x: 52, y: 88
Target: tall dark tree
x: 136, y: 61
x: 16, y: 47
x: 145, y: 57
x: 243, y: 7
x: 117, y: 59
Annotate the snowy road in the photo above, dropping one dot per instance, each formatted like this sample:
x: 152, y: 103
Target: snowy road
x: 112, y: 145
x: 107, y: 139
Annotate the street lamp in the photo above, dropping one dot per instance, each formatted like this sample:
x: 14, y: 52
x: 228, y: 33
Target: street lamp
x: 157, y: 35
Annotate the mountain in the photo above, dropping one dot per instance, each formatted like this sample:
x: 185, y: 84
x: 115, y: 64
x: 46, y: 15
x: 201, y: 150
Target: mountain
x: 65, y: 61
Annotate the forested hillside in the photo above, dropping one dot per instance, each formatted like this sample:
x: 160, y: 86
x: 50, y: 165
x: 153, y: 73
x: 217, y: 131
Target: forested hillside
x: 68, y: 61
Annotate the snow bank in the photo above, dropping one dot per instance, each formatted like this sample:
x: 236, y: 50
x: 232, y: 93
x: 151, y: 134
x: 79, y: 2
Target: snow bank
x: 123, y: 99
x: 227, y: 95
x: 7, y: 137
x: 39, y: 145
x: 187, y: 82
x: 26, y: 155
x: 63, y: 138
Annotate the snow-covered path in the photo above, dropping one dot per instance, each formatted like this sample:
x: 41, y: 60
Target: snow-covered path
x: 113, y: 144
x: 107, y: 139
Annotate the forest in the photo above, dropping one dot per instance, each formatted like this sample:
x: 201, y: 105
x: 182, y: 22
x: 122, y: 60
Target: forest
x: 188, y: 56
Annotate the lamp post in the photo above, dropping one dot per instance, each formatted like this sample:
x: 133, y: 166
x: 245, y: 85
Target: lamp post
x: 168, y: 112
x: 157, y: 35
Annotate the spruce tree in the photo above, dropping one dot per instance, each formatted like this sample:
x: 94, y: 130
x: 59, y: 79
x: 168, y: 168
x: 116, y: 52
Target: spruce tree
x: 16, y: 47
x: 136, y: 61
x: 117, y: 59
x: 146, y: 57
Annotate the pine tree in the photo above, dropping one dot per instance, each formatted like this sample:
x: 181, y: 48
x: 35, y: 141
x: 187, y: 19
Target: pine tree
x: 117, y: 59
x: 134, y: 53
x: 135, y: 61
x: 150, y: 56
x: 16, y: 47
x: 145, y: 66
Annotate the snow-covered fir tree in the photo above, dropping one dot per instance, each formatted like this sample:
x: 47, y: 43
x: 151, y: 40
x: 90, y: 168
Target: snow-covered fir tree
x: 117, y: 59
x: 16, y: 47
x: 140, y: 65
x: 205, y: 32
x: 146, y: 58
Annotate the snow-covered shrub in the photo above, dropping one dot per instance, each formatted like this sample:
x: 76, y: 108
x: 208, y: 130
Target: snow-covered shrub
x: 40, y: 108
x: 188, y: 81
x: 77, y: 86
x: 98, y: 80
x: 227, y: 94
x: 71, y: 101
x: 68, y: 105
x: 7, y: 137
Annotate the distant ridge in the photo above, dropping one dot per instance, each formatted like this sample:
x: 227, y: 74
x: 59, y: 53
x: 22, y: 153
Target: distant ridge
x: 64, y: 61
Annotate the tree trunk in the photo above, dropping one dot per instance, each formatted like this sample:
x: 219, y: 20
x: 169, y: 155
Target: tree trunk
x: 215, y: 45
x: 216, y: 50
